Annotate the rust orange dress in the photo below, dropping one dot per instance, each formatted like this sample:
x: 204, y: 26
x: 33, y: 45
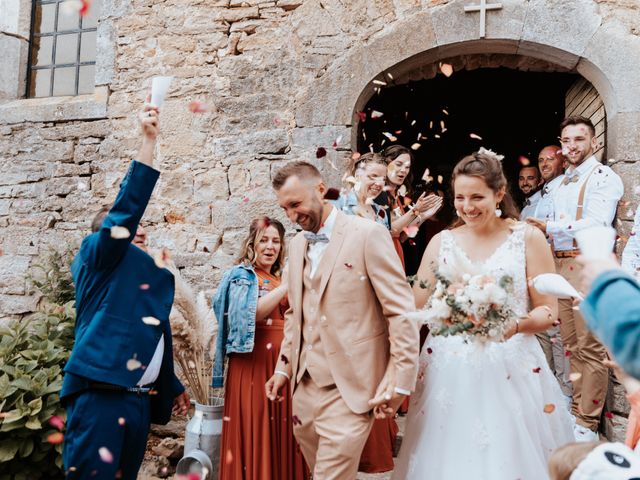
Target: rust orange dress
x: 377, y: 455
x: 397, y: 203
x: 257, y: 434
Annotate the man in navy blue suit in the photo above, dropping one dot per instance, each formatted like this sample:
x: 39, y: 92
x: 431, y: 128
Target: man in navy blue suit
x: 119, y: 378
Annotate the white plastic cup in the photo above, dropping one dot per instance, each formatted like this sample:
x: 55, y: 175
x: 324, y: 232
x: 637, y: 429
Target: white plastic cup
x: 596, y: 243
x: 159, y: 88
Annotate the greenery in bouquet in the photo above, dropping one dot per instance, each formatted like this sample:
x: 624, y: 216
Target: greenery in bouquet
x: 471, y: 304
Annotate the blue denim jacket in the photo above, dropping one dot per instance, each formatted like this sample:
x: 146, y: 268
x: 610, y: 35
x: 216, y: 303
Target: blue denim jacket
x: 235, y: 306
x: 612, y: 312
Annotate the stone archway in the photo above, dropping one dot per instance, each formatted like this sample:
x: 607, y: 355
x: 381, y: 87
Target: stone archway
x: 531, y: 29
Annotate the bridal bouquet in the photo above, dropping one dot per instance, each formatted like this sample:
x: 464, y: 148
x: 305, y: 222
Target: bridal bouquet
x: 474, y: 305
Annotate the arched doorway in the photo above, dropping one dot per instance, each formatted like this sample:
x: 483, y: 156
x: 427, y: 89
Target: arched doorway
x: 511, y: 104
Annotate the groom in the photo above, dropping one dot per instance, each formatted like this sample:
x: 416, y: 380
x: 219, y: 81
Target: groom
x: 348, y: 346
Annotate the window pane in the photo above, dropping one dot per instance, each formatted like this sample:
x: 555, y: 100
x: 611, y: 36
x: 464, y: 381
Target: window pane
x: 88, y: 47
x: 45, y: 17
x: 90, y: 20
x: 64, y: 81
x: 87, y: 79
x: 68, y: 19
x: 42, y: 51
x: 40, y: 83
x: 67, y: 48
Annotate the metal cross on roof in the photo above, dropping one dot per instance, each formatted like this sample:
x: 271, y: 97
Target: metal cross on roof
x: 482, y: 8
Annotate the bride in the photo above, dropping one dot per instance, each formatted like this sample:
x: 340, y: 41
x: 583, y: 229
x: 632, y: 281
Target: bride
x: 485, y: 409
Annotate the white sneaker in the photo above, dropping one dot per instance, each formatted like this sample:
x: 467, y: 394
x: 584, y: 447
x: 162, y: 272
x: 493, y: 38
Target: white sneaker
x: 584, y: 434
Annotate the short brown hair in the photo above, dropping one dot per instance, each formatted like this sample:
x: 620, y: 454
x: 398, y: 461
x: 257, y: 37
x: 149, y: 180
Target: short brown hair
x: 247, y: 253
x: 96, y: 223
x: 578, y: 120
x: 566, y: 458
x: 300, y: 169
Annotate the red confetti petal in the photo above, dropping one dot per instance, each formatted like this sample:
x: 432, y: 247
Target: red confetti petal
x: 86, y: 4
x: 296, y: 420
x: 332, y: 194
x: 429, y: 350
x: 595, y: 402
x: 348, y: 265
x: 608, y: 414
x: 362, y: 116
x: 536, y: 370
x: 321, y: 152
x: 284, y: 359
x: 567, y: 353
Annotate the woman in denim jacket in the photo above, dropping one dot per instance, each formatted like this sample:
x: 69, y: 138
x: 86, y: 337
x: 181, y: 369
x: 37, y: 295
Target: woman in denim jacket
x: 257, y: 435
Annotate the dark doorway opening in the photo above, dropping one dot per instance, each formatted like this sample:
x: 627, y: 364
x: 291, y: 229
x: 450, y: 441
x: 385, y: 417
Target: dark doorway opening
x: 515, y: 113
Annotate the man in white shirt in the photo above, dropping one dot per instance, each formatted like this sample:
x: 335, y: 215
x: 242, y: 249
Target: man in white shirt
x: 529, y: 184
x: 551, y: 165
x: 587, y: 196
x: 349, y: 346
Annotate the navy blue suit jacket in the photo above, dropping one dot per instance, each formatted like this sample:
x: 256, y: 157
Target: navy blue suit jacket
x: 110, y: 304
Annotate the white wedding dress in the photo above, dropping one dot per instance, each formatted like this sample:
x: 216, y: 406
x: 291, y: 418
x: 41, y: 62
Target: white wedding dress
x: 478, y: 411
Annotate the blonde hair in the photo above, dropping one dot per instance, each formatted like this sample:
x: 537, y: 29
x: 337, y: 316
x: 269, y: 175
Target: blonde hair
x: 566, y: 458
x: 257, y: 228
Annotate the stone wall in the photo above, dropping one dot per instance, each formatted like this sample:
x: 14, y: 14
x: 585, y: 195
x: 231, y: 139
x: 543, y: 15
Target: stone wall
x: 254, y: 62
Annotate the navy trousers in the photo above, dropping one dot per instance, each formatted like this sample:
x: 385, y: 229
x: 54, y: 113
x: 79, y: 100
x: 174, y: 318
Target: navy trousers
x: 106, y: 435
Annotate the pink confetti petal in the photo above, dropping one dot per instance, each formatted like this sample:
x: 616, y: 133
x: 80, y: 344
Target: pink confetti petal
x: 57, y: 422
x: 133, y: 364
x: 477, y: 137
x: 376, y: 114
x: 55, y: 438
x: 105, y: 455
x: 446, y: 69
x: 198, y: 107
x: 144, y: 286
x: 411, y: 231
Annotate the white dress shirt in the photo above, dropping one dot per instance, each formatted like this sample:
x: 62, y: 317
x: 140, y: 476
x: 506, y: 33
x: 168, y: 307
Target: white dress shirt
x: 153, y: 369
x: 544, y: 209
x: 603, y: 192
x: 631, y: 252
x: 530, y: 205
x: 316, y: 250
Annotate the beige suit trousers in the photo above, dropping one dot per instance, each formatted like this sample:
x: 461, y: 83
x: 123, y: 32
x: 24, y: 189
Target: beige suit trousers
x: 586, y: 355
x: 330, y: 435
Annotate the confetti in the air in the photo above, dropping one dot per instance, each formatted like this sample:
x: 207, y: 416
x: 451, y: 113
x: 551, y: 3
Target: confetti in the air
x: 144, y: 286
x: 151, y: 321
x: 198, y: 107
x: 119, y: 233
x: 55, y: 438
x: 446, y: 69
x: 133, y: 364
x: 376, y: 114
x: 411, y: 231
x: 321, y: 152
x: 575, y: 376
x: 416, y: 146
x: 549, y: 408
x: 477, y: 137
x: 105, y: 455
x: 121, y: 421
x: 57, y: 422
x: 379, y: 82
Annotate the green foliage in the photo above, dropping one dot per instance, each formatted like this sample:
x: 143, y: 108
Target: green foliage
x: 53, y: 278
x: 33, y: 352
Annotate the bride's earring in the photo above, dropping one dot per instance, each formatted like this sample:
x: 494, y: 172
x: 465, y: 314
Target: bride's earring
x: 457, y: 213
x: 498, y: 211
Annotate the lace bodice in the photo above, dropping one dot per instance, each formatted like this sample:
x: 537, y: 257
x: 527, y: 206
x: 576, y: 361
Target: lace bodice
x: 508, y: 259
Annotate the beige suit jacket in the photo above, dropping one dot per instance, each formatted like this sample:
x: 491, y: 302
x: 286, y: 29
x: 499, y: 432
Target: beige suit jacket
x: 364, y: 300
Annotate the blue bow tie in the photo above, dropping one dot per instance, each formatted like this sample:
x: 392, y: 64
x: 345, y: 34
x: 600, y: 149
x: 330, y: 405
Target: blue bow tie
x: 316, y: 237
